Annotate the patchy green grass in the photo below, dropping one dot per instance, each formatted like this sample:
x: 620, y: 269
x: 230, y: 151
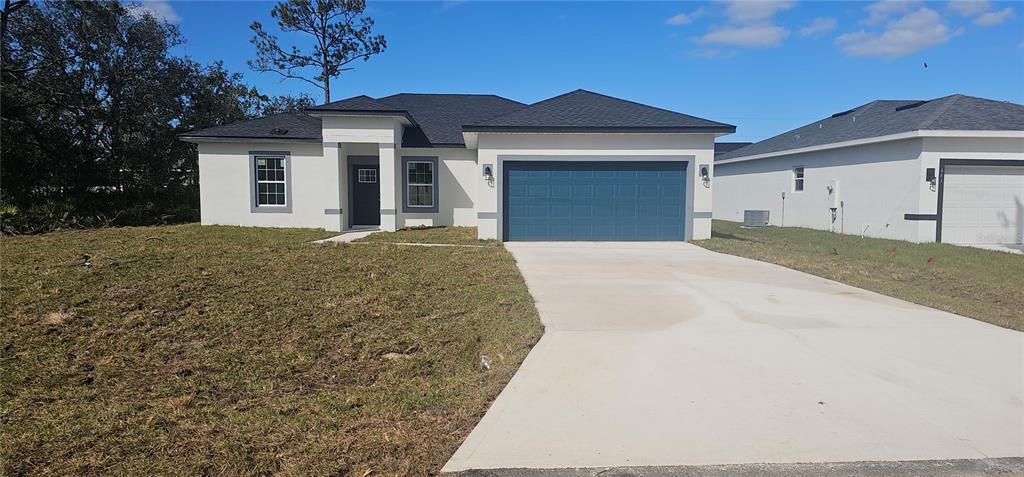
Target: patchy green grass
x: 189, y: 350
x: 448, y: 235
x: 981, y: 284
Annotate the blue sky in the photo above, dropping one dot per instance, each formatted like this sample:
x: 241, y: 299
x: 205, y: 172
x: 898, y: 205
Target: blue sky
x: 765, y: 66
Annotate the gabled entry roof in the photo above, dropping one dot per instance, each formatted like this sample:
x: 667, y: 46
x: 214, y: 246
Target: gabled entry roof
x: 885, y: 117
x: 438, y: 120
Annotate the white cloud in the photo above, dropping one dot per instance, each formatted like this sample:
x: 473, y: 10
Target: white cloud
x: 752, y: 11
x: 994, y: 18
x: 881, y: 11
x: 818, y: 26
x: 750, y: 24
x: 916, y: 31
x: 969, y: 8
x: 751, y: 36
x: 160, y: 9
x: 680, y: 19
x: 684, y: 18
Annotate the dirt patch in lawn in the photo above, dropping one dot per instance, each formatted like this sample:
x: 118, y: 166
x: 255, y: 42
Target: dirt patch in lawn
x: 191, y: 350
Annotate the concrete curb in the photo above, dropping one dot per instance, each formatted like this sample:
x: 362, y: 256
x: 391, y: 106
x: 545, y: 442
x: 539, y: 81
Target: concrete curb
x: 1002, y: 466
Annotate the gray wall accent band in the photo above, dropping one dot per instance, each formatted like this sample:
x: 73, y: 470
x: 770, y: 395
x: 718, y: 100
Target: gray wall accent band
x: 486, y: 215
x: 332, y: 211
x: 387, y: 211
x: 702, y: 215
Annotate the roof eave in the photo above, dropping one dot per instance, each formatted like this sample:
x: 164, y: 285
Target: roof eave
x: 199, y: 139
x: 876, y: 139
x: 601, y: 130
x: 320, y: 112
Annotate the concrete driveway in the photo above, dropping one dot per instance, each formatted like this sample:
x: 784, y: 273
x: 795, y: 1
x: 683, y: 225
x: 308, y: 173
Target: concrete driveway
x: 663, y: 354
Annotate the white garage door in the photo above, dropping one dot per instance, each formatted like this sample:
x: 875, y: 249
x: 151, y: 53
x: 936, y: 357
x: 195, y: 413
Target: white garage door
x: 983, y: 204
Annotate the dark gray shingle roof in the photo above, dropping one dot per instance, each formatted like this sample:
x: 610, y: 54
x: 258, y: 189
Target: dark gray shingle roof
x: 439, y: 117
x: 583, y: 110
x: 290, y: 126
x: 885, y: 117
x: 361, y: 103
x: 724, y: 147
x: 436, y: 119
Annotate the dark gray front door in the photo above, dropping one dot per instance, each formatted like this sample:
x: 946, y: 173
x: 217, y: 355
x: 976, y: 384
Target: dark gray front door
x: 365, y: 195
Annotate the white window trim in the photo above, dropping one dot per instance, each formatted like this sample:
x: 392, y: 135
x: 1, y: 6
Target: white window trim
x: 802, y: 179
x: 432, y: 184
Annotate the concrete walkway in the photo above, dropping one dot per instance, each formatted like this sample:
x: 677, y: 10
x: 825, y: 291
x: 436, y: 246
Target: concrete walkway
x: 666, y: 354
x: 349, y: 235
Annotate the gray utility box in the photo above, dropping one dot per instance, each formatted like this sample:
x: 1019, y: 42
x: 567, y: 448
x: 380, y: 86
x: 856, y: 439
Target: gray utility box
x: 755, y: 218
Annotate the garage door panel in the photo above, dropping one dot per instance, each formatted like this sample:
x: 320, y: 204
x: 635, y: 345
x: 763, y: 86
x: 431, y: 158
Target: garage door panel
x: 983, y: 204
x: 604, y: 191
x: 626, y: 191
x: 595, y: 200
x: 560, y: 191
x: 602, y: 210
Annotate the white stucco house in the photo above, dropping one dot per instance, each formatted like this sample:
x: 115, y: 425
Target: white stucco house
x: 950, y: 169
x: 579, y: 166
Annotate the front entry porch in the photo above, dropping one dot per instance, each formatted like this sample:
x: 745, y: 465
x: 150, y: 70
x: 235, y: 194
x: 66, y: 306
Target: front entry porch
x: 363, y: 174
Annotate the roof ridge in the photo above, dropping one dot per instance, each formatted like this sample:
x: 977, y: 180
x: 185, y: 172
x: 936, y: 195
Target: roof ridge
x: 648, y: 106
x: 530, y: 105
x: 930, y: 119
x: 473, y: 95
x: 581, y: 90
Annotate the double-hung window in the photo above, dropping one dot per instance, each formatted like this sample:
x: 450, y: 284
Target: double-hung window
x: 798, y: 179
x: 270, y: 181
x: 421, y: 179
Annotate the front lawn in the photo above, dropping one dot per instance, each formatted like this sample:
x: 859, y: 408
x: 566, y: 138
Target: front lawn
x: 434, y: 235
x: 981, y: 284
x: 190, y: 350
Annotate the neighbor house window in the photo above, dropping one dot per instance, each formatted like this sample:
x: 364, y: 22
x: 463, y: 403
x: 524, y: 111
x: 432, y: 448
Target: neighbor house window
x: 270, y: 181
x: 420, y: 182
x: 367, y: 176
x: 798, y: 178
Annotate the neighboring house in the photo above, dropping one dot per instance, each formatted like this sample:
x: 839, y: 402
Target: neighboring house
x: 580, y: 166
x: 946, y: 170
x: 724, y: 147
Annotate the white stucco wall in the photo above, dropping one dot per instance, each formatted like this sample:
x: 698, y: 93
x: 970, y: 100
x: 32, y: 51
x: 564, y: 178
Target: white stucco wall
x: 319, y: 174
x: 878, y: 184
x: 457, y: 178
x: 361, y: 129
x: 494, y: 148
x: 226, y: 186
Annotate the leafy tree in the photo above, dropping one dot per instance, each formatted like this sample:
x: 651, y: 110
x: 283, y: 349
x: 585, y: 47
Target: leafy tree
x: 91, y: 109
x: 286, y: 104
x: 341, y: 34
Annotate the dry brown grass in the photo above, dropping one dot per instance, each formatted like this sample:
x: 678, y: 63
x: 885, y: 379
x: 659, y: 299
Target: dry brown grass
x: 191, y: 350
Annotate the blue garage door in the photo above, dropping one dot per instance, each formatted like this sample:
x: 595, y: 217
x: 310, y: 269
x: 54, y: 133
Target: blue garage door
x: 594, y: 200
